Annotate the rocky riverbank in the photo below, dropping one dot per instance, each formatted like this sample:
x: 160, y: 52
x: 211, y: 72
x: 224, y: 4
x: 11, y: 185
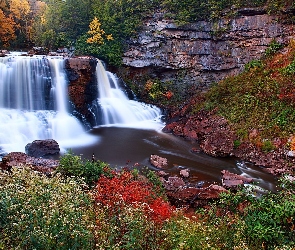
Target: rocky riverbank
x: 216, y: 138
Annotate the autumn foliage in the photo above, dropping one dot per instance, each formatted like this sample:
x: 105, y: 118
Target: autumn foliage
x: 123, y: 189
x: 96, y: 33
x: 7, y: 29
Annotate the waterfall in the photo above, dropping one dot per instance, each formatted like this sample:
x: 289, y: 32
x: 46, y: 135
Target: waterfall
x: 117, y: 109
x: 33, y: 104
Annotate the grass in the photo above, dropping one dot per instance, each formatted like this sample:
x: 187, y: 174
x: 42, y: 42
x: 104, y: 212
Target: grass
x: 260, y: 98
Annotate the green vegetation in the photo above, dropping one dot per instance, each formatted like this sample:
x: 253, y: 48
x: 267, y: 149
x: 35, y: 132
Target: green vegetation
x: 55, y: 24
x: 72, y: 165
x: 260, y: 98
x: 41, y: 213
x: 191, y: 10
x: 124, y: 211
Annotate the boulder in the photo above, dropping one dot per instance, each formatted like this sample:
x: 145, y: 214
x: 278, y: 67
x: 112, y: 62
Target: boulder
x: 40, y: 148
x: 184, y: 173
x: 158, y: 161
x: 194, y: 197
x: 173, y: 183
x: 233, y: 181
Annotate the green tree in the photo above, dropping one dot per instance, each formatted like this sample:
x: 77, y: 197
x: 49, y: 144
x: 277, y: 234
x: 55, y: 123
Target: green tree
x: 122, y: 19
x: 62, y: 22
x: 91, y: 42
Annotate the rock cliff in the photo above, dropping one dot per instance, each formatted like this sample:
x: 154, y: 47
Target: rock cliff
x: 203, y: 52
x: 82, y: 87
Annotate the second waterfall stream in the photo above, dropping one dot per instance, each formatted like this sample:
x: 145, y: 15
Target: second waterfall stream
x: 34, y: 104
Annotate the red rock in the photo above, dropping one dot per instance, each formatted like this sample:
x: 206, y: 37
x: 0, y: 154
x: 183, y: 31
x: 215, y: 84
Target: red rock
x: 184, y: 173
x: 39, y: 148
x: 231, y: 180
x: 19, y: 159
x: 162, y: 173
x: 158, y: 162
x: 173, y: 183
x: 211, y: 192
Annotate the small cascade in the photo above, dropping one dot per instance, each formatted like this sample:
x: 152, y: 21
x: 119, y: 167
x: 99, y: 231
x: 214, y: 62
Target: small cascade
x: 118, y: 110
x: 33, y: 104
x: 24, y: 83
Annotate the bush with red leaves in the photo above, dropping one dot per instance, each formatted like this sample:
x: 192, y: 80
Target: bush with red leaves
x: 124, y: 189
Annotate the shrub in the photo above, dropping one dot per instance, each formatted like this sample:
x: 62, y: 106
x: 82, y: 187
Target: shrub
x: 267, y: 146
x: 130, y: 213
x: 263, y: 223
x: 270, y: 221
x: 265, y: 87
x: 253, y: 64
x: 123, y: 189
x: 273, y: 48
x: 73, y: 165
x: 37, y: 212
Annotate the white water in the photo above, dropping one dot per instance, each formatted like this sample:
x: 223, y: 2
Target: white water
x: 118, y: 110
x: 33, y: 104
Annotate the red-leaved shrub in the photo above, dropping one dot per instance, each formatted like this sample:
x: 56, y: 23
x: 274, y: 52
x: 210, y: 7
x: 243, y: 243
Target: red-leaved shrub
x: 123, y: 189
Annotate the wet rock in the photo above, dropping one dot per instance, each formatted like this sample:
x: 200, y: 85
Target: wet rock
x: 19, y: 159
x: 173, y: 183
x: 38, y: 51
x: 196, y: 150
x: 158, y: 162
x: 275, y: 162
x: 291, y: 153
x: 184, y: 173
x: 211, y: 192
x: 40, y: 148
x: 194, y: 197
x: 182, y: 197
x: 81, y: 72
x: 216, y: 138
x: 212, y: 131
x: 162, y: 173
x: 5, y: 52
x: 200, y: 184
x: 233, y: 181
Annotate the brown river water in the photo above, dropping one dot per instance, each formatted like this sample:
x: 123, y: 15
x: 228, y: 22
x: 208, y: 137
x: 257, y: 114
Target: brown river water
x: 129, y: 147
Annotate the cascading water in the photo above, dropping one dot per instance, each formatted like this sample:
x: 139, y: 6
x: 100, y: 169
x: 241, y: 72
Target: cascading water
x: 34, y: 100
x: 33, y: 104
x: 118, y: 109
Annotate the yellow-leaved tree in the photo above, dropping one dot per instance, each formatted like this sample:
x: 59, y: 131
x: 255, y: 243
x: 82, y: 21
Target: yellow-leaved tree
x: 20, y: 11
x: 97, y: 35
x: 7, y: 29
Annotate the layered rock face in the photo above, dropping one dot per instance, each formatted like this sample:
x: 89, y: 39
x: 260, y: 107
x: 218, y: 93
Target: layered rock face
x: 203, y: 52
x: 82, y: 87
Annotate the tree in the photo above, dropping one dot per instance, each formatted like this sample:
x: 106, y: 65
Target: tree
x: 7, y: 29
x: 93, y: 40
x: 20, y: 12
x: 97, y: 35
x: 122, y: 19
x: 62, y: 22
